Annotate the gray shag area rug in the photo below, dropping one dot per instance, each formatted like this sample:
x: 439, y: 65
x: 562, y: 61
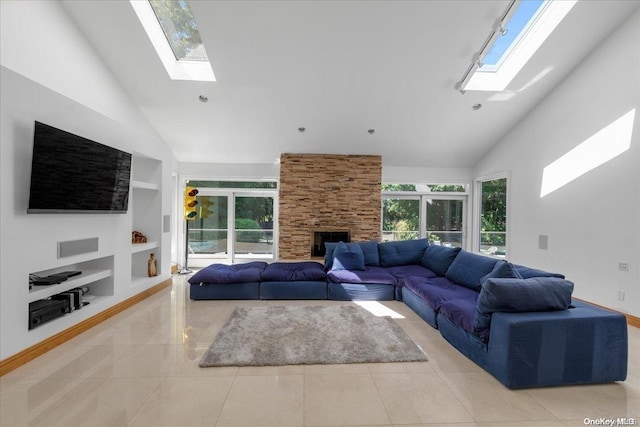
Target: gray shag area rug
x: 276, y: 336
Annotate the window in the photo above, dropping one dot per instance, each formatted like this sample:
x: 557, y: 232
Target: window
x: 492, y: 208
x: 528, y: 23
x: 173, y: 32
x: 400, y: 218
x: 433, y: 211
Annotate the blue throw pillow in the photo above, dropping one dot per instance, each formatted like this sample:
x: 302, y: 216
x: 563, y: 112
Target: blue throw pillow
x: 438, y: 258
x: 502, y: 270
x: 468, y: 268
x: 521, y: 295
x: 328, y: 254
x: 348, y: 257
x: 403, y: 252
x: 370, y: 251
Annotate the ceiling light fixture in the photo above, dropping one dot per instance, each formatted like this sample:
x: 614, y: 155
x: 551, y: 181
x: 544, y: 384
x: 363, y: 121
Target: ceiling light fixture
x: 499, y: 27
x: 203, y: 98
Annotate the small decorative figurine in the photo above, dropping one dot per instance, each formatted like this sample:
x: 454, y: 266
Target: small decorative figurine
x: 152, y: 266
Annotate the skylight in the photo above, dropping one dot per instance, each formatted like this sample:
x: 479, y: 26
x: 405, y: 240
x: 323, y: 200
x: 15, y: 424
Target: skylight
x: 521, y: 19
x: 528, y: 23
x: 175, y: 36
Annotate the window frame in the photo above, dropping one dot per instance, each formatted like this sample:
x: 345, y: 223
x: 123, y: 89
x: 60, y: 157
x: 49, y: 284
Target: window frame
x: 423, y: 196
x: 202, y: 260
x: 477, y: 204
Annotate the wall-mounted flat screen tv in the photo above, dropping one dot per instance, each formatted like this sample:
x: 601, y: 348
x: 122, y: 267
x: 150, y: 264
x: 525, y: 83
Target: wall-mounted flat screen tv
x: 72, y: 174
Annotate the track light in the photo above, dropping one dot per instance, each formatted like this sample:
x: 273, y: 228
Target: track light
x: 476, y: 59
x: 498, y: 27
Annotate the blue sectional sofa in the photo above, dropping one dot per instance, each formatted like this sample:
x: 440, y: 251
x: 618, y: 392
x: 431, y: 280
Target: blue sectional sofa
x: 518, y: 323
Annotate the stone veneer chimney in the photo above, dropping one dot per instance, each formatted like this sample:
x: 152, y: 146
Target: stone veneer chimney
x: 327, y: 191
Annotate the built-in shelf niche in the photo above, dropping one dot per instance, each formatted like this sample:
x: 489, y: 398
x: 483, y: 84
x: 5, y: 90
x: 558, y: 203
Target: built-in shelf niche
x: 146, y: 207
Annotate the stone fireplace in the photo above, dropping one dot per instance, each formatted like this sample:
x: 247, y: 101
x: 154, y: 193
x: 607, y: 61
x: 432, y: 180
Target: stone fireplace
x: 320, y: 237
x: 327, y: 192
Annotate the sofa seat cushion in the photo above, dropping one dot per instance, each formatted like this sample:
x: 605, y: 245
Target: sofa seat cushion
x: 368, y: 275
x: 521, y: 295
x: 439, y: 258
x: 222, y: 273
x: 402, y: 252
x: 468, y: 269
x: 402, y: 271
x: 462, y: 313
x: 294, y: 271
x: 437, y: 290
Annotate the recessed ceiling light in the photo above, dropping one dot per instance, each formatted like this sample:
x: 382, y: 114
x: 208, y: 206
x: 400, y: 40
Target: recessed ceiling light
x: 371, y: 131
x: 476, y: 107
x: 203, y: 98
x: 301, y: 129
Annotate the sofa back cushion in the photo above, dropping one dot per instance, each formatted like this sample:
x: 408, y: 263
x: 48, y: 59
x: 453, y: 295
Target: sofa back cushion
x: 521, y: 295
x: 370, y: 251
x: 402, y: 253
x: 469, y: 268
x: 348, y: 257
x: 236, y: 273
x: 438, y: 258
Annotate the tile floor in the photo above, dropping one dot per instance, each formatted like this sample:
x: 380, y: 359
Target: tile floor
x: 140, y: 368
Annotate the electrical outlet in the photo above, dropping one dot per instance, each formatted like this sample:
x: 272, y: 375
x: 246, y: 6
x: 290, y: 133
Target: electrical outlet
x: 620, y: 295
x: 623, y: 266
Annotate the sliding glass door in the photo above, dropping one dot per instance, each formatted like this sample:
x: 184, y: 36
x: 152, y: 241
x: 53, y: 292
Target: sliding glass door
x: 208, y: 232
x: 231, y: 224
x: 253, y: 227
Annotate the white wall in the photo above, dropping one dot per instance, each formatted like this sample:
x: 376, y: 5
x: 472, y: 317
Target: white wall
x: 593, y: 222
x: 51, y: 75
x: 427, y: 175
x: 229, y: 171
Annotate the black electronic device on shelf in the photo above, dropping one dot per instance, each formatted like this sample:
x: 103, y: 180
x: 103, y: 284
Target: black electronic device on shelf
x: 54, y: 279
x: 44, y: 310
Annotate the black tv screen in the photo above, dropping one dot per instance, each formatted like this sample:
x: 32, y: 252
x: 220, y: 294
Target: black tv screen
x: 72, y: 174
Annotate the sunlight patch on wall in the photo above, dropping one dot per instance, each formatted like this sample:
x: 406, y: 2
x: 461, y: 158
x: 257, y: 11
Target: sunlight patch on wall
x: 606, y: 144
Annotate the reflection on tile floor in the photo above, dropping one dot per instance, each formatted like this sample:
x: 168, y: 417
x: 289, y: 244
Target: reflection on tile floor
x: 140, y: 368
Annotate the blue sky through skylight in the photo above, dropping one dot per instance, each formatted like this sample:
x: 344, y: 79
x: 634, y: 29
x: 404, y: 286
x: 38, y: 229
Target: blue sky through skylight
x: 519, y: 20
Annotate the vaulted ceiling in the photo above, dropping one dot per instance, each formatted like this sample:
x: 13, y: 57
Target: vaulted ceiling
x: 338, y: 68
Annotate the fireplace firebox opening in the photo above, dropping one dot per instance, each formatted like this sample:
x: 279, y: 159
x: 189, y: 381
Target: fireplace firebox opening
x: 320, y: 237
